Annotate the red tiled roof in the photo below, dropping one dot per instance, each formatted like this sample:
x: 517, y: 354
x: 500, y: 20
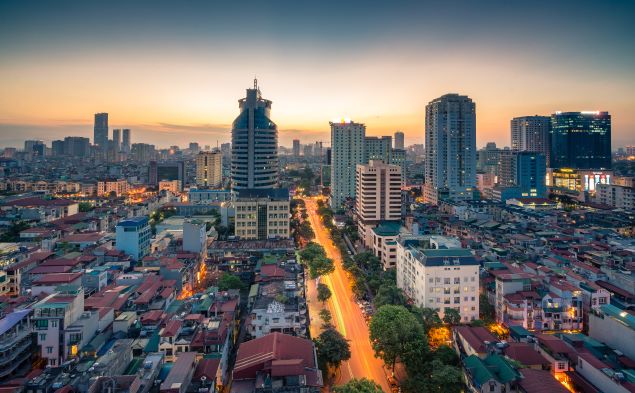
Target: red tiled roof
x: 258, y: 355
x: 92, y: 237
x: 56, y: 278
x: 615, y: 289
x: 151, y: 317
x: 475, y: 336
x: 61, y: 262
x: 50, y: 269
x: 207, y: 368
x: 525, y: 354
x: 540, y: 381
x: 171, y: 329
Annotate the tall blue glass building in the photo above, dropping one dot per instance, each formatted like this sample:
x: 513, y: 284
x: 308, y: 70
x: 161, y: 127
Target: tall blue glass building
x: 580, y: 140
x: 254, y: 161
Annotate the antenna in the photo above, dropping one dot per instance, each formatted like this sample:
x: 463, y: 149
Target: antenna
x: 255, y: 83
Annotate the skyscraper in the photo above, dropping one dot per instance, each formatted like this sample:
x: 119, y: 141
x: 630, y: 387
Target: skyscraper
x: 580, y: 140
x: 296, y: 148
x: 399, y: 140
x: 450, y: 167
x: 254, y: 144
x: 125, y: 144
x: 522, y: 175
x: 116, y: 139
x: 378, y: 148
x: 347, y: 150
x: 531, y: 133
x: 100, y: 130
x: 209, y: 169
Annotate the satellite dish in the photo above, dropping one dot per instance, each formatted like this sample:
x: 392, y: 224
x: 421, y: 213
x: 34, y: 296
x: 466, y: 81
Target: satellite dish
x: 203, y: 378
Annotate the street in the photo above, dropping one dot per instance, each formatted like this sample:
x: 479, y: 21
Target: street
x: 347, y: 316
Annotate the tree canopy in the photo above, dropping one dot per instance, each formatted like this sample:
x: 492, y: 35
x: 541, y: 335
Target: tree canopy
x: 389, y: 294
x: 323, y: 292
x: 397, y: 335
x: 229, y: 281
x: 332, y: 347
x: 359, y: 386
x: 320, y: 266
x: 452, y: 316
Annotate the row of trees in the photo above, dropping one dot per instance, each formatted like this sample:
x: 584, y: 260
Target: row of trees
x: 315, y: 260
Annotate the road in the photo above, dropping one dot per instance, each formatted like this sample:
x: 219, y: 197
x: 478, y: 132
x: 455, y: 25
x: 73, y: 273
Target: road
x: 347, y: 316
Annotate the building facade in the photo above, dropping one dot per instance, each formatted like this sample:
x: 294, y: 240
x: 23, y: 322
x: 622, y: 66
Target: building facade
x: 399, y: 140
x: 347, y: 150
x: 133, y: 237
x: 100, y: 130
x: 254, y: 144
x: 580, y: 140
x: 209, y: 168
x: 620, y: 197
x: 378, y: 196
x: 437, y: 277
x: 450, y: 167
x: 531, y: 133
x: 262, y: 214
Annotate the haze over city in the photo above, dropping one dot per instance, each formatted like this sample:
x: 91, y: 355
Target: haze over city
x: 174, y: 73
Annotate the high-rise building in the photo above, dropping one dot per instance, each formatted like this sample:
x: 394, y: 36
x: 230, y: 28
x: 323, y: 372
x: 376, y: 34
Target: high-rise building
x: 378, y: 196
x: 57, y: 148
x: 531, y: 133
x: 125, y: 144
x: 194, y: 148
x: 100, y: 130
x: 142, y: 152
x: 450, y: 167
x: 307, y: 150
x: 254, y: 144
x: 347, y: 150
x: 173, y: 170
x: 580, y: 140
x: 35, y: 147
x: 296, y: 148
x: 116, y: 139
x: 209, y: 169
x: 378, y: 148
x: 399, y: 140
x: 76, y: 146
x: 523, y: 174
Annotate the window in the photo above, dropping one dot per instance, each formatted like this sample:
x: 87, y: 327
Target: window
x: 457, y: 280
x: 49, y: 349
x: 41, y: 324
x: 42, y: 336
x: 457, y: 300
x: 54, y: 323
x: 446, y: 280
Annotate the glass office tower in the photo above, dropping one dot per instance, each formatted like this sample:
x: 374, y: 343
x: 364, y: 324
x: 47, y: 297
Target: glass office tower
x: 580, y: 140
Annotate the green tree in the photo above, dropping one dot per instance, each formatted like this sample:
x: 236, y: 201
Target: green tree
x: 397, y: 335
x: 229, y: 281
x: 445, y: 378
x: 486, y: 309
x: 13, y: 233
x: 367, y: 261
x: 428, y: 317
x: 452, y: 317
x: 332, y: 348
x: 359, y: 386
x: 389, y: 294
x: 311, y: 251
x: 446, y: 355
x: 323, y: 292
x: 320, y: 266
x: 326, y: 317
x: 85, y: 207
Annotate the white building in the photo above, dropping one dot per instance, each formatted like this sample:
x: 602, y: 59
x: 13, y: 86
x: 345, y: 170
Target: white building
x: 620, y: 197
x: 133, y: 237
x: 450, y: 166
x: 378, y: 190
x: 119, y: 187
x: 209, y: 169
x: 531, y: 133
x: 262, y: 214
x: 194, y: 236
x: 347, y: 150
x: 436, y: 275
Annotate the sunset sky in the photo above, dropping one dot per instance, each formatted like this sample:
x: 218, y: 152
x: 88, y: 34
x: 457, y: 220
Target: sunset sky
x: 172, y: 71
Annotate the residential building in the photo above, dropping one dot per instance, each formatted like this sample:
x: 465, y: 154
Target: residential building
x: 347, y: 150
x: 580, y: 140
x: 437, y: 277
x: 119, y: 187
x: 100, y: 130
x: 209, y: 169
x: 262, y: 214
x: 378, y: 191
x: 194, y: 236
x: 289, y: 363
x: 614, y: 327
x: 174, y: 186
x: 133, y: 237
x: 142, y: 152
x: 523, y: 174
x: 616, y: 196
x: 15, y: 343
x: 51, y: 317
x: 531, y: 133
x: 450, y: 166
x: 125, y: 141
x: 254, y: 161
x: 399, y: 140
x: 378, y: 148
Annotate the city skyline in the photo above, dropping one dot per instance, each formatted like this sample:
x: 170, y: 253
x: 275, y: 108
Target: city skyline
x: 168, y: 80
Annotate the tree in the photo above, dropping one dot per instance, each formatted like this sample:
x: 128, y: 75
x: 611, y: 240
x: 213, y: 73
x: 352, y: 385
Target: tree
x: 428, y: 317
x: 332, y: 347
x: 367, y: 261
x: 446, y: 355
x: 320, y: 266
x: 397, y: 335
x: 445, y: 378
x: 85, y: 207
x: 323, y: 292
x: 358, y: 386
x: 487, y: 310
x: 326, y: 317
x: 311, y: 251
x: 452, y: 316
x: 229, y: 281
x: 389, y: 294
x: 13, y: 233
